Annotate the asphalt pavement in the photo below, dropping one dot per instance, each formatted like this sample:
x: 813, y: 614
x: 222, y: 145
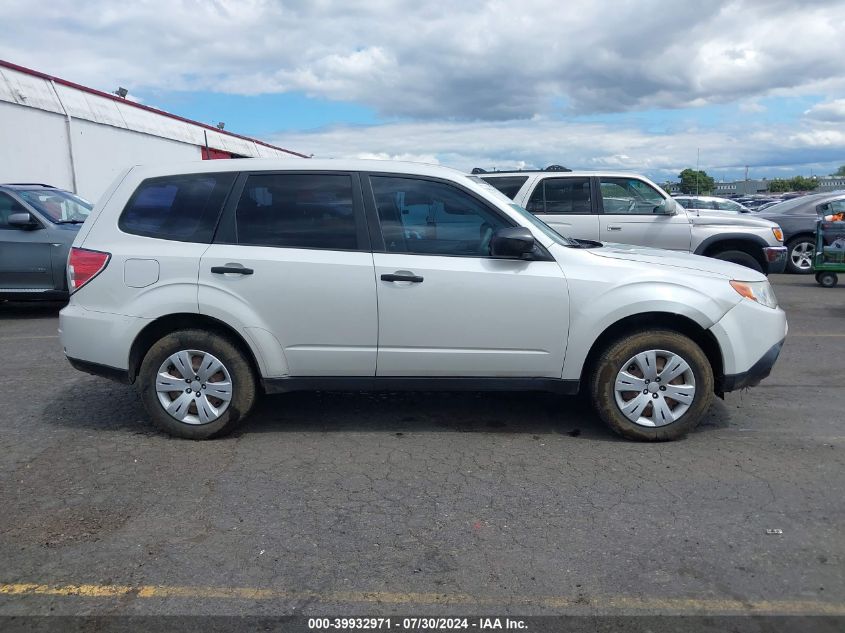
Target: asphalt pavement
x: 423, y: 503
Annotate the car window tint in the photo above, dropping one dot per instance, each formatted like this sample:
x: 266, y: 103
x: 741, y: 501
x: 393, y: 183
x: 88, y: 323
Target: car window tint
x: 562, y: 196
x: 297, y: 211
x: 8, y: 206
x: 182, y: 208
x: 629, y: 196
x: 433, y: 218
x: 508, y: 185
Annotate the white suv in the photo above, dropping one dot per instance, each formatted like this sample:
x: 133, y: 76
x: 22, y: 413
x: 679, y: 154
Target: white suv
x: 208, y: 283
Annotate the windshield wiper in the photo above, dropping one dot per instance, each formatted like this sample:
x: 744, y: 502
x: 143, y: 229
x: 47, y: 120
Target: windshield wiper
x: 69, y: 221
x: 576, y: 243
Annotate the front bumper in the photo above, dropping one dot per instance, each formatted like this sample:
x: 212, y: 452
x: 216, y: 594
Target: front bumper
x: 775, y: 257
x: 759, y: 370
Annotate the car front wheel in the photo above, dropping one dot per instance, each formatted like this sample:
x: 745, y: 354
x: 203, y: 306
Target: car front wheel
x: 652, y: 385
x: 196, y: 384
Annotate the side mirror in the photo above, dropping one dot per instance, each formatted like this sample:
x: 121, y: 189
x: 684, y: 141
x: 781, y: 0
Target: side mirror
x: 667, y: 207
x: 515, y: 242
x: 22, y: 221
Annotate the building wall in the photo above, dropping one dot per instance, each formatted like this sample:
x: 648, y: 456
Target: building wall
x: 36, y: 150
x: 102, y: 152
x: 108, y: 134
x: 33, y: 146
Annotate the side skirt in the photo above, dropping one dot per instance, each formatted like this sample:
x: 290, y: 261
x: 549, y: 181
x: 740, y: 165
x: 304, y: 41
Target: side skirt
x: 399, y: 383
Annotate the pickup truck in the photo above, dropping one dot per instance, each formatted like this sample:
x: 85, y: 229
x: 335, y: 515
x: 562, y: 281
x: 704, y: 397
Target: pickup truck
x: 630, y: 209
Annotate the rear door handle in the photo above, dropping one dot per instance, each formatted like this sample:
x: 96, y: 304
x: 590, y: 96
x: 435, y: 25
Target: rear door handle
x: 238, y: 270
x: 614, y: 228
x: 416, y: 279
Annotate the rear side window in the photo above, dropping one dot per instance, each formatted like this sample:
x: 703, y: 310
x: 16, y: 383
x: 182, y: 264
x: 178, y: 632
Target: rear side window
x: 297, y: 211
x: 564, y: 196
x: 182, y: 208
x: 509, y: 185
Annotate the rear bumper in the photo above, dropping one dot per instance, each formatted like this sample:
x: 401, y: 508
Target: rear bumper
x: 759, y: 370
x: 775, y: 257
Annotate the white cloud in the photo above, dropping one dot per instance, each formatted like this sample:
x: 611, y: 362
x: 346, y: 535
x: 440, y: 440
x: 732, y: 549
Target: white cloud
x: 592, y: 146
x: 828, y: 111
x: 487, y: 60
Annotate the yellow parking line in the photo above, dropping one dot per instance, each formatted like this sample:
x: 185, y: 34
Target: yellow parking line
x: 614, y: 603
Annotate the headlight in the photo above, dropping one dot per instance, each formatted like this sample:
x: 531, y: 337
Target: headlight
x: 778, y: 233
x: 759, y: 291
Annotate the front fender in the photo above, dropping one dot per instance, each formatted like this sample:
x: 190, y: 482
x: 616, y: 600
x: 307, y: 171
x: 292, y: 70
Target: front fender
x: 589, y: 319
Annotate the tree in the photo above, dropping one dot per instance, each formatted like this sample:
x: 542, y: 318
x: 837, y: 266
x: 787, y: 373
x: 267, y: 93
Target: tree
x: 778, y: 185
x: 840, y: 171
x: 693, y: 181
x: 799, y: 183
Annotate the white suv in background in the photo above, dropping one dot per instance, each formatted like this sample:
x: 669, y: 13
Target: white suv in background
x: 208, y: 283
x: 630, y: 209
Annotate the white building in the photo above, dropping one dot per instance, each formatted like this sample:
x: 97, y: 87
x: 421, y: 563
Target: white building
x: 59, y: 133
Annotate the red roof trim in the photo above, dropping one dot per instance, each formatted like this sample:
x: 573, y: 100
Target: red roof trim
x: 99, y: 93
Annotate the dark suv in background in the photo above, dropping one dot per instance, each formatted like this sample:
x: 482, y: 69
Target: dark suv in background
x: 797, y: 217
x: 37, y: 226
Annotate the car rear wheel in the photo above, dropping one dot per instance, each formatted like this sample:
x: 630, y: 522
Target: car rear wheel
x: 652, y: 385
x: 739, y: 257
x: 196, y: 384
x: 800, y: 259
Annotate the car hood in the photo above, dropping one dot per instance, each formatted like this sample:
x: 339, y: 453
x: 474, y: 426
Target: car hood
x: 716, y: 218
x: 677, y: 259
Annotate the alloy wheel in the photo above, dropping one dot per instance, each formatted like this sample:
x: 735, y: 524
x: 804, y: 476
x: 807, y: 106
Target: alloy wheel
x: 802, y: 255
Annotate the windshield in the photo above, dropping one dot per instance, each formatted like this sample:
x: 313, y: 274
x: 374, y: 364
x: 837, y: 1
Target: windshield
x: 59, y: 206
x: 536, y: 222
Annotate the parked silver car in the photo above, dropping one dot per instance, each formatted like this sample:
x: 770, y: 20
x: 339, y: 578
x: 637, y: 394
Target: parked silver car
x: 38, y: 223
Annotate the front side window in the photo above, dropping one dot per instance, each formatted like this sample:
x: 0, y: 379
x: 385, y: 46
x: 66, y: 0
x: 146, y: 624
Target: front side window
x: 433, y: 218
x: 508, y: 185
x: 8, y: 206
x: 297, y: 211
x: 629, y: 196
x: 182, y: 208
x: 564, y: 196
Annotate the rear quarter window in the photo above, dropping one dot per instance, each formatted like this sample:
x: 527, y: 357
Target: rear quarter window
x: 508, y: 185
x: 184, y: 208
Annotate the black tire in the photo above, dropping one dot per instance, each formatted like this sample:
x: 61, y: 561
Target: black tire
x: 827, y: 279
x: 739, y: 257
x: 243, y: 383
x: 791, y: 245
x: 613, y: 359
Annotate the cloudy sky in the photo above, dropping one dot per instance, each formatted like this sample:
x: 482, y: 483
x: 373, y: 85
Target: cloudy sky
x: 629, y: 84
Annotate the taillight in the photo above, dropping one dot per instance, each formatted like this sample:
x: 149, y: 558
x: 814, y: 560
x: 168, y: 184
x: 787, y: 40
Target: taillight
x: 83, y: 265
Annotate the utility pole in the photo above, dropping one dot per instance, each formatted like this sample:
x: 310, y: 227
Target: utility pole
x: 697, y: 172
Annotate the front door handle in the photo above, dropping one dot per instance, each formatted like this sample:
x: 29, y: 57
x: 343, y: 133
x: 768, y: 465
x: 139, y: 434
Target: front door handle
x: 614, y: 228
x: 238, y: 270
x: 416, y: 279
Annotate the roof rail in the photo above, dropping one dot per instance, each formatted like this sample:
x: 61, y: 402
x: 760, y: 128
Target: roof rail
x: 27, y: 184
x: 479, y: 170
